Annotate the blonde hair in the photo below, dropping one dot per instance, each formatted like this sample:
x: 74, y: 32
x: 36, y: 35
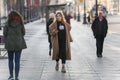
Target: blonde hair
x: 62, y: 16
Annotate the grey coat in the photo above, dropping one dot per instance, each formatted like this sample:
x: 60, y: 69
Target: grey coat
x: 14, y: 36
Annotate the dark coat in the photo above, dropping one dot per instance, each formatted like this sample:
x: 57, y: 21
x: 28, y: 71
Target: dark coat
x: 88, y: 18
x: 68, y: 17
x: 14, y: 36
x: 99, y: 28
x: 48, y: 24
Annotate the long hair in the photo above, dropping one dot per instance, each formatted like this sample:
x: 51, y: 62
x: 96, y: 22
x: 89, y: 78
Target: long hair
x: 12, y: 14
x: 62, y: 16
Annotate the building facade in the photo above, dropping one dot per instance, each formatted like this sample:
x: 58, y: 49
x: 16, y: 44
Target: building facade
x: 113, y: 6
x: 30, y: 9
x: 3, y: 8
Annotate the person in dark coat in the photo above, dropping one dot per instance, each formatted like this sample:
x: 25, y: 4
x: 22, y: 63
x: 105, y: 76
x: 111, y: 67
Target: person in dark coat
x: 14, y: 32
x: 52, y: 15
x: 68, y: 18
x: 88, y: 18
x: 99, y: 28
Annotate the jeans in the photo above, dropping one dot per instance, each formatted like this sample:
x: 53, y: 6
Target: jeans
x: 11, y: 56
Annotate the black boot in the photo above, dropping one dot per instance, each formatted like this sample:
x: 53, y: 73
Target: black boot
x: 99, y: 55
x: 50, y: 53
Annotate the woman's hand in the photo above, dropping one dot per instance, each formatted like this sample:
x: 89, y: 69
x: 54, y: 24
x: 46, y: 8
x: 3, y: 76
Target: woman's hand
x: 55, y: 31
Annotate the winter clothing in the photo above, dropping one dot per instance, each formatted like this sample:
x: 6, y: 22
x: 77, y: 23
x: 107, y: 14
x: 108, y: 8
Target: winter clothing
x: 62, y: 41
x: 99, y: 28
x: 68, y: 17
x: 49, y: 36
x: 14, y: 36
x: 56, y: 41
x: 14, y: 32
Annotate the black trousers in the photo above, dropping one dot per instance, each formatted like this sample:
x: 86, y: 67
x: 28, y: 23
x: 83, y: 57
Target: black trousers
x: 63, y: 60
x: 62, y: 52
x: 50, y: 44
x: 99, y: 45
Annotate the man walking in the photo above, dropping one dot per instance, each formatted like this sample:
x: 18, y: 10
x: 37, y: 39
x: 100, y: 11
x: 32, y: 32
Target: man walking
x: 99, y: 28
x: 50, y: 21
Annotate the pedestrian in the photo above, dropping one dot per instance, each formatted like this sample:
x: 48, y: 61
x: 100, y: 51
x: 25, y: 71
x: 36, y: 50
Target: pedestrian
x: 88, y: 19
x: 14, y: 32
x: 61, y: 38
x: 99, y: 28
x: 68, y: 17
x: 51, y: 18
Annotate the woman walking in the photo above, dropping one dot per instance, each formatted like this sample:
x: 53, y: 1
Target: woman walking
x: 61, y: 38
x: 14, y: 32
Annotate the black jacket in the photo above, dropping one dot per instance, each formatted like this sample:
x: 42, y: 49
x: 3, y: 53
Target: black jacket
x: 48, y: 24
x: 99, y: 28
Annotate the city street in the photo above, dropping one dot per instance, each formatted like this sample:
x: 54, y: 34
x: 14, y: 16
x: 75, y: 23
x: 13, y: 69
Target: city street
x: 114, y: 23
x: 36, y: 64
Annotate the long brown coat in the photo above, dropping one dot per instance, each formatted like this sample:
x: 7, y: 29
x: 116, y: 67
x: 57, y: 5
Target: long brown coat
x: 55, y: 44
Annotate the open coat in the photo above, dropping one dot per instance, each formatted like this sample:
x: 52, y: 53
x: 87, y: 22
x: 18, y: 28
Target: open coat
x: 55, y: 44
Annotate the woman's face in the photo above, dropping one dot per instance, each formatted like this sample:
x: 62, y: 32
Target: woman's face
x: 58, y: 17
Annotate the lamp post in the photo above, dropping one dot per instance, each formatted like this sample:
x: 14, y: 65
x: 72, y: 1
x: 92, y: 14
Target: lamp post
x: 118, y: 6
x: 42, y: 9
x: 75, y: 13
x: 5, y: 7
x: 75, y: 3
x: 84, y: 19
x: 96, y: 14
x: 0, y: 18
x: 78, y: 19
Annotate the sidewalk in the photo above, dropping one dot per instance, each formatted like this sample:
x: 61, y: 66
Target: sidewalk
x: 36, y: 64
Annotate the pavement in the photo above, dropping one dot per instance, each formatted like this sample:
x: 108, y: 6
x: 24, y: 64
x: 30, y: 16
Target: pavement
x: 36, y: 64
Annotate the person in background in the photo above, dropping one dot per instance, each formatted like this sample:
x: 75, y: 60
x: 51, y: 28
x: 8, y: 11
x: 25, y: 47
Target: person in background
x: 99, y: 28
x: 61, y: 38
x: 88, y: 18
x: 14, y: 32
x: 68, y: 18
x: 51, y: 18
